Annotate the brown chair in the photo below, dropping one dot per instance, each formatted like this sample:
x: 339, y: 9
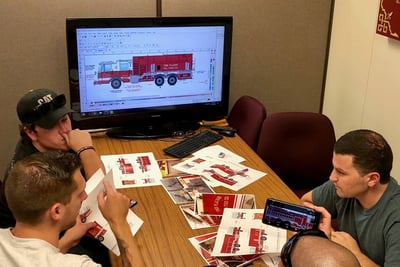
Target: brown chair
x: 247, y: 116
x: 298, y: 146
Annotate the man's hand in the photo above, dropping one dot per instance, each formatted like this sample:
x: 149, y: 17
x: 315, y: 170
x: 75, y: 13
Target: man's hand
x: 91, y: 162
x: 325, y: 221
x: 112, y: 204
x: 74, y: 234
x: 77, y: 139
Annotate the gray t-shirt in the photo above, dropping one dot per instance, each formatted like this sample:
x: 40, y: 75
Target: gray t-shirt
x: 377, y: 230
x: 32, y: 252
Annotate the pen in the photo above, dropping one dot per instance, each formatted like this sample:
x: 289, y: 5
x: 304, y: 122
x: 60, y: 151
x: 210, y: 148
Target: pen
x: 132, y: 203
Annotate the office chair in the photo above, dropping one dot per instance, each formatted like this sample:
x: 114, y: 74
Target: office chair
x: 247, y: 116
x: 298, y: 147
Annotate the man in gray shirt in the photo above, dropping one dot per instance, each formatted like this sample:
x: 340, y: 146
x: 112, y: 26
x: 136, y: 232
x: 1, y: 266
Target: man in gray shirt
x: 364, y: 198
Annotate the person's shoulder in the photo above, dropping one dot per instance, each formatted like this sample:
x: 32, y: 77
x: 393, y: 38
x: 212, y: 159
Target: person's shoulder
x: 393, y: 189
x: 69, y: 259
x: 4, y: 231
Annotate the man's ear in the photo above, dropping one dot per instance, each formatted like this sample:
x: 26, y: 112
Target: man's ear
x: 373, y: 178
x: 57, y: 211
x: 31, y: 133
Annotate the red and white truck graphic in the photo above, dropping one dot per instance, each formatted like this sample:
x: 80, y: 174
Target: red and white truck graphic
x: 157, y: 68
x: 144, y: 162
x: 97, y: 231
x: 256, y: 240
x: 231, y: 241
x: 125, y: 166
x: 288, y: 218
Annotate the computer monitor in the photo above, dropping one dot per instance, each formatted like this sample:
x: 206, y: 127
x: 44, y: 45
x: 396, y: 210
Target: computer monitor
x: 148, y: 77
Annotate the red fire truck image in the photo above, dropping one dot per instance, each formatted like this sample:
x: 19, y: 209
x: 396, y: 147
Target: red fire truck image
x: 256, y: 240
x: 156, y: 68
x: 231, y: 241
x: 227, y: 180
x: 125, y: 166
x: 288, y: 218
x: 84, y: 215
x: 97, y: 232
x: 143, y: 161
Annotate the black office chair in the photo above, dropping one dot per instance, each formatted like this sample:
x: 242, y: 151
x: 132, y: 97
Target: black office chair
x: 298, y: 146
x: 247, y: 116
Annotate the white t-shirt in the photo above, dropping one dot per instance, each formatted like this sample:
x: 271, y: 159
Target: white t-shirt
x: 15, y: 251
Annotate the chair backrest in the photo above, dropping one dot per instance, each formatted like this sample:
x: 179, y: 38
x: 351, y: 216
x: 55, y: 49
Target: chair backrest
x: 247, y: 116
x: 298, y: 147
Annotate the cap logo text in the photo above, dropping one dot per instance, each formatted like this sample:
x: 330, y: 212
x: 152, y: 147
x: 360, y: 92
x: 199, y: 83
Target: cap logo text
x: 45, y: 99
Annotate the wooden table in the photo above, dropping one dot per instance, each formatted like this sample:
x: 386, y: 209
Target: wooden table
x: 164, y: 235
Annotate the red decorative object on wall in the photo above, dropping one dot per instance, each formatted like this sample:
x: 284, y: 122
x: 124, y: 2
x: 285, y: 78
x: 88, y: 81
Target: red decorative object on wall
x: 389, y: 19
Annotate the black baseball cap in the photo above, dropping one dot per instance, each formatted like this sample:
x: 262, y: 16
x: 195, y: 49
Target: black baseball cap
x: 42, y: 107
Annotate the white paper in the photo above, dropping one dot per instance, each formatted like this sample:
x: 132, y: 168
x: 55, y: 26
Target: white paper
x: 90, y: 212
x: 217, y: 172
x: 133, y: 170
x: 242, y: 232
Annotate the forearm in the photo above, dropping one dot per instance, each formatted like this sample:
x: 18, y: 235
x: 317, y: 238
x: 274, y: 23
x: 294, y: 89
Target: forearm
x: 65, y: 244
x: 128, y: 246
x: 307, y: 197
x: 91, y: 162
x: 364, y: 260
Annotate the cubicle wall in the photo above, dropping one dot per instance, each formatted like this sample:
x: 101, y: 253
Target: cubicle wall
x: 279, y: 48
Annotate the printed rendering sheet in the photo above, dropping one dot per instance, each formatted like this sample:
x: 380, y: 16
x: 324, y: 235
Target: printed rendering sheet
x: 214, y: 204
x: 204, y: 244
x: 133, y: 170
x: 166, y: 167
x: 91, y: 212
x: 242, y: 232
x: 184, y: 189
x: 217, y: 172
x: 197, y: 221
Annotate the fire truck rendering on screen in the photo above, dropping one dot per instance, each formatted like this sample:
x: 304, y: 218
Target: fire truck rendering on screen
x: 157, y: 68
x: 288, y: 219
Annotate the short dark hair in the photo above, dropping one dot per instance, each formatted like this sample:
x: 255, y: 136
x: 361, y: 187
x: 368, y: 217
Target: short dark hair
x: 370, y: 151
x: 38, y: 181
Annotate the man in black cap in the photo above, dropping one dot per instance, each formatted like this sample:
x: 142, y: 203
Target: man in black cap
x: 46, y: 126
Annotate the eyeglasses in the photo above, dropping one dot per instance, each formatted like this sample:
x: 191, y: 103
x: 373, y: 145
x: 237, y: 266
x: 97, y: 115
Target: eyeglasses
x: 287, y: 248
x: 43, y: 109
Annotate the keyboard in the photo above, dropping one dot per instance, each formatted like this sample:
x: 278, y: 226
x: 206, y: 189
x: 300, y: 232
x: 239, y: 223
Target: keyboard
x: 192, y: 144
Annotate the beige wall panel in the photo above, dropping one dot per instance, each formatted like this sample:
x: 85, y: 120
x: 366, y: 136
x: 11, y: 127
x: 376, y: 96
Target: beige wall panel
x: 278, y: 52
x: 33, y: 50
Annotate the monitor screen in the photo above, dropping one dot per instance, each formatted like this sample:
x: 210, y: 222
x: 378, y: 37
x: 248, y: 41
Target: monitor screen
x: 148, y: 77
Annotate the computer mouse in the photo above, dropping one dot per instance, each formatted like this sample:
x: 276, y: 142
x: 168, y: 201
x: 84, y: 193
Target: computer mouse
x: 228, y: 133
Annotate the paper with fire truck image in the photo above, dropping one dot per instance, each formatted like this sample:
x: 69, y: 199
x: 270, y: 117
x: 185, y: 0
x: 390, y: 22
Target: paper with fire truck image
x: 133, y: 170
x: 204, y: 244
x: 167, y: 170
x: 242, y: 232
x: 90, y: 212
x: 219, y: 172
x: 214, y: 204
x: 184, y: 189
x: 197, y: 221
x: 218, y: 152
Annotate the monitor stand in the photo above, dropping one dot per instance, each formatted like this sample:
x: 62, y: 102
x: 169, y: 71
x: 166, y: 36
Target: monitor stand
x: 153, y: 131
